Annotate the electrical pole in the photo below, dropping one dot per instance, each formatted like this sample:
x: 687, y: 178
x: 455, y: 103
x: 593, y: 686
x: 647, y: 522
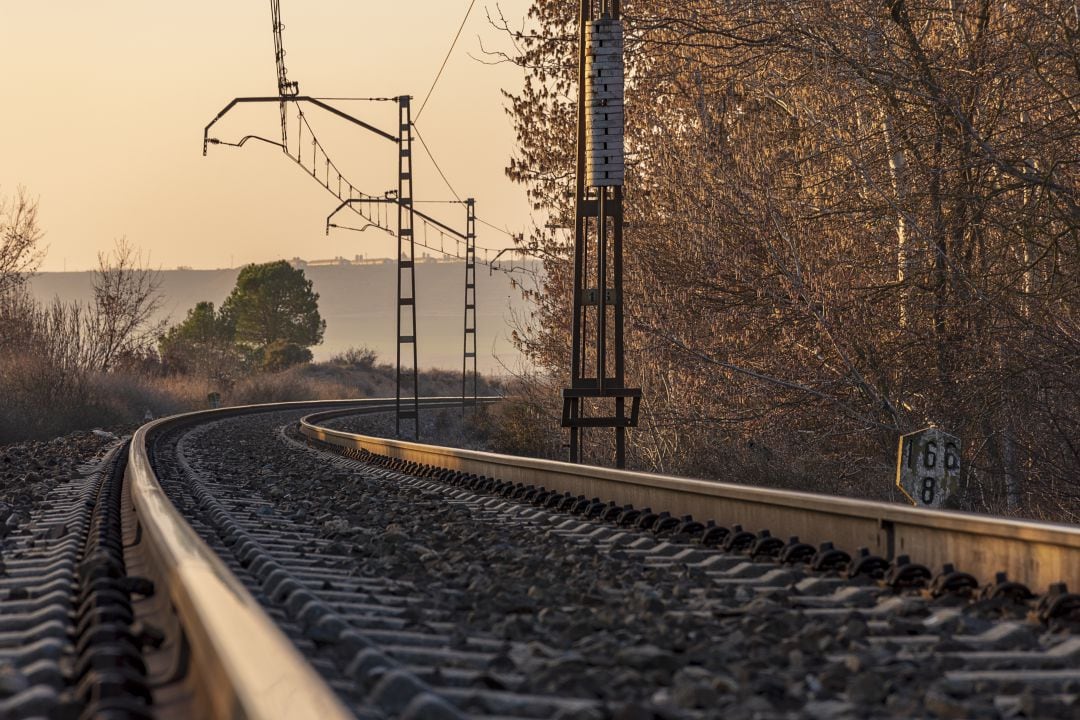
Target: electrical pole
x: 597, y: 366
x: 406, y: 275
x: 406, y: 283
x: 469, y: 352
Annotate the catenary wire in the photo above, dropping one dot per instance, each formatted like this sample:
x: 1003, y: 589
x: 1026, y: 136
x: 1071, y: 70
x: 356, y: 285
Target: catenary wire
x: 445, y: 60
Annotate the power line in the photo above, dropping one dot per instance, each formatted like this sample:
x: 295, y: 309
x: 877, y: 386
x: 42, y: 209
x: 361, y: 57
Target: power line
x: 359, y: 99
x: 345, y: 187
x: 445, y: 59
x: 434, y: 162
x: 454, y: 192
x: 507, y: 233
x: 351, y: 191
x: 491, y: 256
x: 332, y: 172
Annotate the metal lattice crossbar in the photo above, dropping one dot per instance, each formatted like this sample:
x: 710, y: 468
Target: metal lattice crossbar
x: 597, y: 368
x: 469, y: 345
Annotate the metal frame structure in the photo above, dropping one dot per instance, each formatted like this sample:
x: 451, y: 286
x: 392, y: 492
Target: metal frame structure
x: 469, y: 340
x: 406, y: 284
x: 469, y: 237
x: 406, y: 267
x: 283, y: 99
x: 289, y: 92
x: 597, y: 367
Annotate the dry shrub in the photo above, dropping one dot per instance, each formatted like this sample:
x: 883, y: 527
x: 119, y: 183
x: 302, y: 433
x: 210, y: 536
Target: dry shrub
x: 48, y: 387
x: 121, y: 398
x: 517, y: 428
x: 42, y: 382
x: 361, y: 380
x: 527, y: 422
x: 308, y: 382
x: 37, y: 399
x: 355, y: 357
x: 285, y: 386
x: 41, y: 401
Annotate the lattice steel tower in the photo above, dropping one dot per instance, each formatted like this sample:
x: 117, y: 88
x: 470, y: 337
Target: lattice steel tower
x: 469, y: 351
x: 597, y: 367
x: 407, y: 379
x: 327, y: 174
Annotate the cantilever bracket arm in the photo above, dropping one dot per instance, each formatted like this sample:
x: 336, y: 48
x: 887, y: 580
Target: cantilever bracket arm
x: 241, y: 141
x: 338, y: 209
x: 393, y: 201
x: 293, y: 98
x: 354, y: 229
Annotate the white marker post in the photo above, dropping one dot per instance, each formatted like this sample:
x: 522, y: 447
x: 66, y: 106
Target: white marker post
x: 928, y: 468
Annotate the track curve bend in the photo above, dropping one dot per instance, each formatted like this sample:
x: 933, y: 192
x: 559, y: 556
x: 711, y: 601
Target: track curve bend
x: 289, y: 569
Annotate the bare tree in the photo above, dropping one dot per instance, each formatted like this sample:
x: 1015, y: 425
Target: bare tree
x: 19, y: 237
x: 126, y: 297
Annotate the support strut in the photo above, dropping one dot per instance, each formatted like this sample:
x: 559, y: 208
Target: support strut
x: 407, y: 378
x: 597, y: 366
x: 469, y: 353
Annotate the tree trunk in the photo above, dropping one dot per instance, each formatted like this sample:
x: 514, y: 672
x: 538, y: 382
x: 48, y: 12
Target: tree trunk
x: 898, y: 173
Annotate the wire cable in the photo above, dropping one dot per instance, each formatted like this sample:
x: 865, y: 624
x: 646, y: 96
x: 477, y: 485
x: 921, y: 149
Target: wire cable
x: 507, y: 233
x: 359, y: 99
x: 453, y: 191
x: 445, y: 59
x: 353, y: 191
x: 377, y: 221
x: 435, y: 163
x: 343, y: 189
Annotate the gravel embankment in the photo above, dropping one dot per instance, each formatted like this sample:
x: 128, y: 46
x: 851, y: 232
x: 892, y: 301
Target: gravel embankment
x: 28, y: 471
x: 65, y: 604
x: 613, y: 618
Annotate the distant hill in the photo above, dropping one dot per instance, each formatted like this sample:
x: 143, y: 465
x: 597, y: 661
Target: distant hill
x: 357, y: 302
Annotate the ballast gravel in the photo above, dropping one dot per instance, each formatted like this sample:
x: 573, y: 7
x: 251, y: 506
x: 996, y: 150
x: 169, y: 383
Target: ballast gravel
x: 29, y: 470
x: 636, y: 637
x: 65, y: 631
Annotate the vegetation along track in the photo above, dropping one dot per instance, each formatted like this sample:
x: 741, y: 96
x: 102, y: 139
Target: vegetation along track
x: 265, y: 567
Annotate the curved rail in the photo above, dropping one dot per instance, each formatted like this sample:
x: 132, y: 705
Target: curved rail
x: 240, y: 664
x: 1036, y: 554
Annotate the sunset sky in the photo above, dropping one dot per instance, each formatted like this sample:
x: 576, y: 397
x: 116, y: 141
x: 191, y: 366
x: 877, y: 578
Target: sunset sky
x: 105, y: 102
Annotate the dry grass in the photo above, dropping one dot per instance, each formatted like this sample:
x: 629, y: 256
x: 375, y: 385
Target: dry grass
x: 39, y: 400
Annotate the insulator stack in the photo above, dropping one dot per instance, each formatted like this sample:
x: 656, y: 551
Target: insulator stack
x: 604, y: 102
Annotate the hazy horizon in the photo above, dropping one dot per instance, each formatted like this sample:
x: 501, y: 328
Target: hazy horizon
x: 357, y: 302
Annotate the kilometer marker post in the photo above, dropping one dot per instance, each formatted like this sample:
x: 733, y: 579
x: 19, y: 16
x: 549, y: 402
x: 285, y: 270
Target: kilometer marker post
x: 928, y: 468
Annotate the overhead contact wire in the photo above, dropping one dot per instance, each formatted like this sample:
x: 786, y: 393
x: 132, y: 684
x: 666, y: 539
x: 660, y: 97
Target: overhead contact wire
x: 445, y: 60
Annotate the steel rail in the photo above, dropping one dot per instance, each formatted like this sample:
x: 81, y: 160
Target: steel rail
x: 1034, y: 553
x: 240, y: 664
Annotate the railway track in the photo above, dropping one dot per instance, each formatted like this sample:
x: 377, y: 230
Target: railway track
x: 261, y: 563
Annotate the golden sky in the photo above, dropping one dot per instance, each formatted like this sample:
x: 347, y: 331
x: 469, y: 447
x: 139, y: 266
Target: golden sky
x: 105, y: 102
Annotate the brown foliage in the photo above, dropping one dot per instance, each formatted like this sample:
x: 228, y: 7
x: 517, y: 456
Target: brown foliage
x: 847, y: 220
